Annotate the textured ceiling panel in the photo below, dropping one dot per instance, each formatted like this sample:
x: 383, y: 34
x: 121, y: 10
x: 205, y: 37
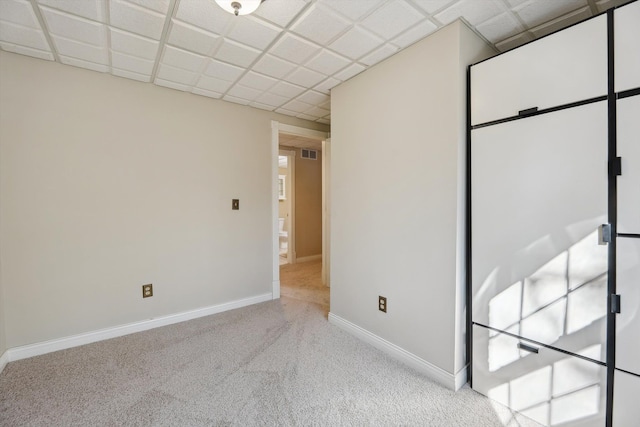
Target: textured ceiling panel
x: 285, y: 57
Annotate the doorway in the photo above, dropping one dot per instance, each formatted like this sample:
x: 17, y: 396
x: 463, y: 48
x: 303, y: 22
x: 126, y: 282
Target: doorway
x: 299, y: 238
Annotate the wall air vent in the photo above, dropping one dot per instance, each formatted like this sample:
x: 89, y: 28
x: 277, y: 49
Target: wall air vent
x: 309, y: 154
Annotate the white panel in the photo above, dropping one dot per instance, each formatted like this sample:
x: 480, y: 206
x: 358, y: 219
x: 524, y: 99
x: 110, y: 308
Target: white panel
x: 204, y: 14
x: 565, y: 67
x: 305, y: 77
x: 257, y: 81
x: 242, y: 92
x: 131, y: 75
x: 131, y: 63
x: 23, y: 36
x: 191, y: 38
x: 136, y: 19
x: 177, y: 75
x: 355, y: 43
x: 320, y: 24
x: 327, y: 85
x: 628, y: 321
x: 80, y: 50
x: 391, y: 19
x: 213, y: 84
x: 27, y: 51
x: 327, y: 62
x: 349, y: 72
x: 273, y: 66
x: 287, y: 89
x: 379, y: 54
x: 92, y: 9
x: 416, y: 33
x: 626, y: 389
x: 353, y: 9
x: 253, y: 32
x: 134, y: 45
x: 473, y: 11
x: 75, y: 28
x: 539, y: 192
x: 549, y: 386
x: 294, y: 49
x: 236, y: 53
x: 535, y: 12
x: 18, y: 12
x: 84, y: 64
x: 628, y: 112
x: 182, y: 59
x: 280, y: 12
x: 223, y: 71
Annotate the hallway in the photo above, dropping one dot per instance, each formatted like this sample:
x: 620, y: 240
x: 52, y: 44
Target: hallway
x: 302, y: 282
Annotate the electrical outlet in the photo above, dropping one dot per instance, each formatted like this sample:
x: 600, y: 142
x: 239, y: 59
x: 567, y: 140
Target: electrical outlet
x: 147, y: 290
x: 235, y: 204
x: 382, y: 304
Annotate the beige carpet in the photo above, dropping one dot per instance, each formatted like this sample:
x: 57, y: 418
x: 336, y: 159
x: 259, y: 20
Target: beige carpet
x: 302, y: 282
x: 278, y: 363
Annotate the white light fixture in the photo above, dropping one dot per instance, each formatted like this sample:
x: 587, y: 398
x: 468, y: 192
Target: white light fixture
x: 239, y: 7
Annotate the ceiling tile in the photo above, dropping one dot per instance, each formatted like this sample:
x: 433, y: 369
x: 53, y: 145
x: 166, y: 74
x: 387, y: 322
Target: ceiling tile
x: 318, y: 112
x: 305, y: 77
x: 176, y: 75
x: 327, y: 85
x: 253, y: 32
x: 391, y: 19
x: 236, y: 100
x: 297, y: 106
x: 272, y: 99
x: 262, y: 106
x: 257, y: 81
x: 320, y: 24
x: 191, y: 38
x: 22, y: 50
x: 379, y: 54
x: 562, y: 22
x: 323, y: 121
x: 223, y: 71
x: 91, y: 9
x: 353, y: 9
x: 213, y: 84
x: 161, y: 6
x: 131, y: 63
x: 349, y: 72
x: 131, y: 75
x: 172, y: 85
x: 23, y: 36
x: 18, y: 12
x: 418, y: 32
x: 314, y: 98
x: 608, y: 4
x: 133, y: 44
x: 473, y: 11
x: 500, y: 27
x: 182, y: 59
x: 273, y: 66
x: 327, y: 62
x: 307, y: 117
x: 280, y: 12
x: 287, y: 89
x: 204, y: 14
x: 84, y: 64
x: 207, y: 93
x: 515, y: 41
x: 75, y: 28
x: 534, y: 13
x: 244, y: 92
x: 355, y: 43
x: 236, y: 53
x: 294, y: 49
x: 83, y: 51
x: 432, y: 6
x: 287, y: 112
x: 136, y: 19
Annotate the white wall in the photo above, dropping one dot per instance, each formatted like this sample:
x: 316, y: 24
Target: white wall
x: 108, y: 184
x: 398, y: 138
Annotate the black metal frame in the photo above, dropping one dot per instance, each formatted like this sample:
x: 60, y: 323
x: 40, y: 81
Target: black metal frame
x: 611, y: 97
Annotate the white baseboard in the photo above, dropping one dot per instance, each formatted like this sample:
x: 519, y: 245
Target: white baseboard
x: 275, y: 286
x: 461, y: 378
x: 308, y: 258
x: 4, y: 359
x: 437, y: 374
x: 37, y: 349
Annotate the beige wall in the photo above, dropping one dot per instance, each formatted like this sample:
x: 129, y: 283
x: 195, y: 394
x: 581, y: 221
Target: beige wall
x: 308, y: 205
x: 397, y: 187
x: 107, y: 184
x: 3, y: 338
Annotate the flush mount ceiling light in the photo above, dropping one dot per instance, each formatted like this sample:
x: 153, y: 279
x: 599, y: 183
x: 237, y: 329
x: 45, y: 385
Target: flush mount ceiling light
x: 239, y: 7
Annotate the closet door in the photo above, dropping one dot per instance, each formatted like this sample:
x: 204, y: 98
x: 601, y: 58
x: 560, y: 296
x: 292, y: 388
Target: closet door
x: 627, y: 47
x: 548, y: 386
x: 628, y: 321
x: 539, y: 194
x: 628, y: 116
x: 562, y: 68
x: 626, y: 389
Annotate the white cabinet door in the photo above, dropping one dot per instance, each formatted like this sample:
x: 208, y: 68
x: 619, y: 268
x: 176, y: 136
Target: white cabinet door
x: 559, y: 69
x: 628, y: 321
x: 539, y: 193
x: 627, y: 47
x: 551, y: 387
x: 626, y: 392
x: 628, y: 116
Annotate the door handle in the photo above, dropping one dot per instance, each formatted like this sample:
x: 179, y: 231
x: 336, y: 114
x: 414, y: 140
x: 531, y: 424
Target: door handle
x: 528, y: 348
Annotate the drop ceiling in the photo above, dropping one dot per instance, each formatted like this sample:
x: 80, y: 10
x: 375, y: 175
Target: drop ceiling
x: 285, y: 57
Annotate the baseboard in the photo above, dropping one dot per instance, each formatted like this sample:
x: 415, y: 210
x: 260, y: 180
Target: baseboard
x: 437, y: 374
x: 275, y: 286
x: 461, y: 378
x: 4, y: 359
x: 40, y: 348
x: 308, y: 258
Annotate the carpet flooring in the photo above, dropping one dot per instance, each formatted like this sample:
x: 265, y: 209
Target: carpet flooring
x: 302, y: 282
x: 278, y: 363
